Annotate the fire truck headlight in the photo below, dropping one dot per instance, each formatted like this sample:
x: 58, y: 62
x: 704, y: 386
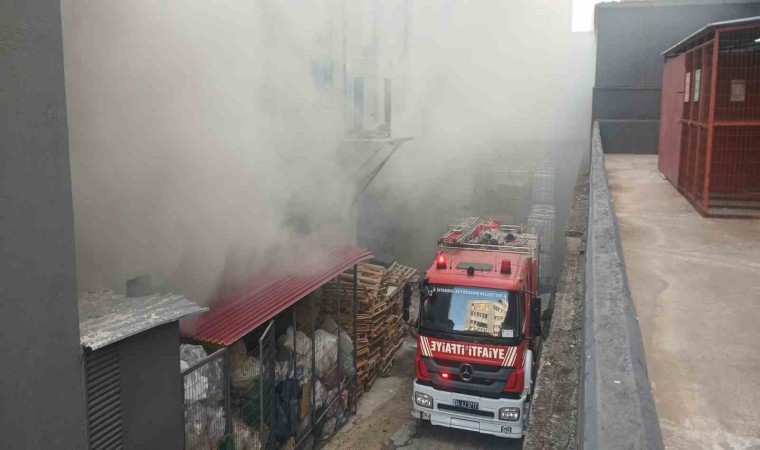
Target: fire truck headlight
x: 423, y: 400
x: 509, y: 414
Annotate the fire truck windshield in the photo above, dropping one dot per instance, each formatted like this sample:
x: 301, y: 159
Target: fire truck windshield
x: 473, y: 311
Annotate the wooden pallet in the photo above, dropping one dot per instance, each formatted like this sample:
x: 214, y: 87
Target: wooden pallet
x: 379, y: 327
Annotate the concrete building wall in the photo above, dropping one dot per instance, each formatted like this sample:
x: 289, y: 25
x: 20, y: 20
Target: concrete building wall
x: 630, y: 38
x: 41, y: 386
x: 151, y: 390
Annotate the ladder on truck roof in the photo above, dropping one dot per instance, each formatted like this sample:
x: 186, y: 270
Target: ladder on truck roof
x: 468, y: 235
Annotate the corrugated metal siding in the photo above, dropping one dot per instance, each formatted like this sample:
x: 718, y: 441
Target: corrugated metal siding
x: 103, y: 380
x: 670, y: 117
x: 230, y: 319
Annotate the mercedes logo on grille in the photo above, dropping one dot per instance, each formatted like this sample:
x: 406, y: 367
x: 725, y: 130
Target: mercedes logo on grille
x: 465, y: 371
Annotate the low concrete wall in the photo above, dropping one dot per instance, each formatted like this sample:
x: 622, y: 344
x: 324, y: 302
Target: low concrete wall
x: 592, y: 390
x: 553, y: 421
x: 617, y: 409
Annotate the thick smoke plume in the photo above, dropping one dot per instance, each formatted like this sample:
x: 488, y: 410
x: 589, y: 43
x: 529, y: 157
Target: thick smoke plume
x: 201, y: 146
x: 197, y: 139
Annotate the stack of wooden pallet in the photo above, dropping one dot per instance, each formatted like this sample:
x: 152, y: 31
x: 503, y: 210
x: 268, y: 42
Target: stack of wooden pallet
x: 342, y: 293
x: 379, y: 324
x: 392, y: 288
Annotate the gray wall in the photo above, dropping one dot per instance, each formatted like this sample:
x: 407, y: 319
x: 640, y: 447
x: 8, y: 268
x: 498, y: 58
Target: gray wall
x: 41, y: 387
x: 151, y: 390
x: 630, y: 38
x: 617, y: 406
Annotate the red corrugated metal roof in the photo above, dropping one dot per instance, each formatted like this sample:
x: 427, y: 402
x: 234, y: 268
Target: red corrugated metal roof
x: 230, y: 319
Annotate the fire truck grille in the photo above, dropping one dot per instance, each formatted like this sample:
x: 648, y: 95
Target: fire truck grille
x: 457, y: 364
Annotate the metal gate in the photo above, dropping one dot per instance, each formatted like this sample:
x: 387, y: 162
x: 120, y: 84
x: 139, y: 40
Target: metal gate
x: 267, y: 351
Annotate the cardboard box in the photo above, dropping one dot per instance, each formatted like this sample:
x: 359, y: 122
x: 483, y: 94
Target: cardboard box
x: 304, y: 402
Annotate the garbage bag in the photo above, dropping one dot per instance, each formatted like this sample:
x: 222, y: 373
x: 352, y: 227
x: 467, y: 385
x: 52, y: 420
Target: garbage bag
x: 332, y: 394
x: 303, y: 343
x: 320, y: 394
x: 286, y: 410
x: 244, y: 372
x: 258, y: 439
x: 330, y: 380
x: 329, y: 325
x: 328, y: 428
x: 344, y: 399
x: 326, y: 352
x: 340, y: 417
x: 197, y: 441
x: 196, y: 387
x: 240, y: 434
x: 195, y: 428
x: 215, y: 424
x: 191, y: 354
x: 282, y: 370
x: 214, y: 371
x: 346, y: 346
x: 250, y: 403
x: 303, y: 367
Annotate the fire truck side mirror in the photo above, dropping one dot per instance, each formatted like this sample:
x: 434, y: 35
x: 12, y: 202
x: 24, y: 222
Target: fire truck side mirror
x: 424, y: 288
x: 535, y: 316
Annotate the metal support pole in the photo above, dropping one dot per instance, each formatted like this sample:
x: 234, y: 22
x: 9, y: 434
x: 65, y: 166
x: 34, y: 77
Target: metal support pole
x: 261, y: 395
x: 340, y: 376
x: 226, y: 381
x: 295, y: 351
x: 355, y: 312
x: 313, y: 364
x: 711, y: 123
x: 263, y: 379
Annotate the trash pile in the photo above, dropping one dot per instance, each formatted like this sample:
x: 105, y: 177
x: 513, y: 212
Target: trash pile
x: 324, y: 388
x: 301, y: 384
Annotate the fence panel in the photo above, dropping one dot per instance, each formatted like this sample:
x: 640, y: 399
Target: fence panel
x: 267, y: 352
x: 207, y: 402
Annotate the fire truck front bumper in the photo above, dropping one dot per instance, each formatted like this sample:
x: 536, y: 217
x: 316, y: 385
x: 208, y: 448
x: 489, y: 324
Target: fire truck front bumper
x: 454, y: 410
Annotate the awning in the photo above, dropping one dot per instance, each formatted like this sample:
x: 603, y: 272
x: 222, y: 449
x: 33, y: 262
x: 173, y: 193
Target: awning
x: 230, y: 319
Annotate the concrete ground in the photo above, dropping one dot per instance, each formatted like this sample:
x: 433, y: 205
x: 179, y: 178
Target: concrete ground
x: 383, y: 419
x: 696, y: 287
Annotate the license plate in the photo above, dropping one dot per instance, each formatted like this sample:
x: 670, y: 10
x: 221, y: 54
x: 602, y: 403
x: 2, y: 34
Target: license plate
x: 464, y: 404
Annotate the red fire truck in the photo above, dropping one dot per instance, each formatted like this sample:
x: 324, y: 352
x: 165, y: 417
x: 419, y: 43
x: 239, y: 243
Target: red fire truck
x: 479, y: 330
